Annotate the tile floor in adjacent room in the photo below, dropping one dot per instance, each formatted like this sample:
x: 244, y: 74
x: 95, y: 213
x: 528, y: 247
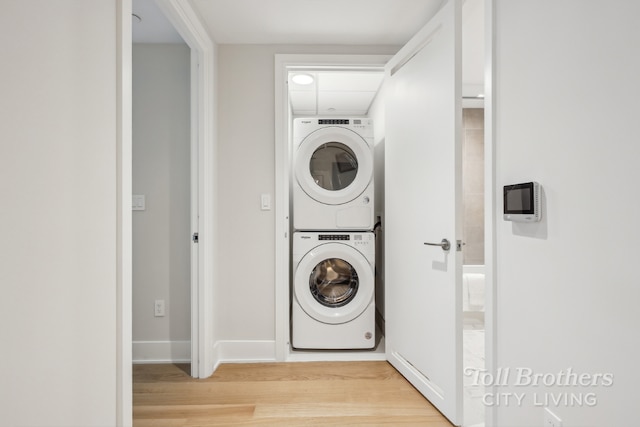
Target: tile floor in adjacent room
x: 473, y: 359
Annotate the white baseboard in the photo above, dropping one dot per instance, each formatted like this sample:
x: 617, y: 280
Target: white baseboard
x: 161, y: 351
x: 244, y: 351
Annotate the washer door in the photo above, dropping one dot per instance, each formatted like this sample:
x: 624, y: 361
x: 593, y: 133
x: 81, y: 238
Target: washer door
x: 334, y: 165
x: 334, y: 283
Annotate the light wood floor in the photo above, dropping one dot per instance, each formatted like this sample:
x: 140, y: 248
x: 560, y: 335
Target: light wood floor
x: 280, y: 394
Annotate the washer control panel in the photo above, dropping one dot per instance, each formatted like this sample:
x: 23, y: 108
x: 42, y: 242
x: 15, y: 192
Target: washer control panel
x: 363, y: 239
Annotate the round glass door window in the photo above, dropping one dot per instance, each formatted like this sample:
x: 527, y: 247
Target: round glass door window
x: 333, y: 282
x: 333, y: 166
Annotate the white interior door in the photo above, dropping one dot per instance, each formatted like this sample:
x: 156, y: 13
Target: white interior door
x: 422, y: 201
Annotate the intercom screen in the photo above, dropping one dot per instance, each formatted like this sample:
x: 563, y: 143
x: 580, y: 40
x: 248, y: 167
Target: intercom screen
x: 518, y: 199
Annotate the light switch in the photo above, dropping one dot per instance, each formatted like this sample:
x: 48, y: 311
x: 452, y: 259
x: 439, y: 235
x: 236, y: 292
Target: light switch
x: 265, y: 202
x: 138, y: 202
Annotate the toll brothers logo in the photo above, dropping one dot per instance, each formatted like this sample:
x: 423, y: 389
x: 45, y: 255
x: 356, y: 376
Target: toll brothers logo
x: 570, y: 388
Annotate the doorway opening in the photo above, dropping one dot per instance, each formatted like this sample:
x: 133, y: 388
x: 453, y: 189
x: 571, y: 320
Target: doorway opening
x: 473, y: 270
x: 341, y: 87
x: 161, y: 203
x: 162, y: 190
x: 338, y: 94
x: 349, y: 97
x: 473, y: 210
x: 200, y: 195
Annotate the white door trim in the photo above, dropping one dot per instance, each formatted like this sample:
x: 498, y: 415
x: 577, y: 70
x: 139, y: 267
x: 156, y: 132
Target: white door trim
x: 490, y: 212
x: 283, y: 64
x: 186, y: 22
x: 124, y: 227
x: 194, y: 214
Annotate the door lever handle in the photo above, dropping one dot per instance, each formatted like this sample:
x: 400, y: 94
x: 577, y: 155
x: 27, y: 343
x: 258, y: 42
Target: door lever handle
x: 445, y: 244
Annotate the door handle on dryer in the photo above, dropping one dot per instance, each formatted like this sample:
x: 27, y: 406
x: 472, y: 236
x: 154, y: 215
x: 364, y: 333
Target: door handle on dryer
x: 445, y: 244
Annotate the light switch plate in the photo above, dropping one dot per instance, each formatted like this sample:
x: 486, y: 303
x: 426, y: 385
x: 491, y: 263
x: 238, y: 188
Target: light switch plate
x: 138, y: 202
x: 265, y: 202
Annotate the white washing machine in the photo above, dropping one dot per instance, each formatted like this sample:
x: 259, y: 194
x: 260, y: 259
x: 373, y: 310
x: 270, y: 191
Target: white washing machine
x: 333, y: 174
x: 333, y: 304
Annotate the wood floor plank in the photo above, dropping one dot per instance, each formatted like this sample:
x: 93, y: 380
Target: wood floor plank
x: 190, y: 411
x: 348, y: 409
x: 280, y: 394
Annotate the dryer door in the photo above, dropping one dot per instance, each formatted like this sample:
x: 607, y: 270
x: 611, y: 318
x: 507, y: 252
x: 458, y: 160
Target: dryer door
x: 334, y: 283
x: 334, y: 165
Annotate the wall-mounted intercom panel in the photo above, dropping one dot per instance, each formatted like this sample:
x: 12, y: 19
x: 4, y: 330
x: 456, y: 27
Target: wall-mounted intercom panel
x: 522, y: 202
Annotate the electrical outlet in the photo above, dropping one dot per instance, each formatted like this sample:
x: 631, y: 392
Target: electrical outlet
x: 551, y: 419
x: 158, y: 308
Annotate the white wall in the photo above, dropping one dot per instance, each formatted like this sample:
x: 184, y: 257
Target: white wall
x: 161, y: 172
x: 567, y: 287
x: 58, y: 213
x: 245, y: 303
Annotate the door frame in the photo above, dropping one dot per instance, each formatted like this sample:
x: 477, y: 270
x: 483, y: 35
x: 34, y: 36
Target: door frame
x: 186, y: 22
x: 124, y: 220
x: 284, y: 63
x: 203, y: 127
x: 490, y: 208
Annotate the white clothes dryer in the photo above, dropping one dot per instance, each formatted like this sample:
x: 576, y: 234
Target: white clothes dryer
x: 333, y: 183
x: 333, y: 304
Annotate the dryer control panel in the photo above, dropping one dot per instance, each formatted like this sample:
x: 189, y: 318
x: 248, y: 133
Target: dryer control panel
x: 304, y: 126
x: 354, y: 239
x: 334, y: 237
x: 335, y: 121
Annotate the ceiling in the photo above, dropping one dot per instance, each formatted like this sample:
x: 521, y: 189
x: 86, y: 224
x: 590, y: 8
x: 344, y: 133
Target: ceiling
x: 359, y: 22
x: 317, y: 22
x: 322, y: 22
x: 336, y: 93
x: 149, y: 24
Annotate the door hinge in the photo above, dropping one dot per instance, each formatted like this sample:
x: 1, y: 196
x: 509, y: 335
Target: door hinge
x: 195, y: 238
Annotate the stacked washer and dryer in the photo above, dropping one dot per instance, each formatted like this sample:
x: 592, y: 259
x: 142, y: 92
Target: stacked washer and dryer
x: 333, y: 248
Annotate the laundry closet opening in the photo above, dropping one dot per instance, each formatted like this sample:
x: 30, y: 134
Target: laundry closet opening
x: 353, y: 99
x: 335, y: 293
